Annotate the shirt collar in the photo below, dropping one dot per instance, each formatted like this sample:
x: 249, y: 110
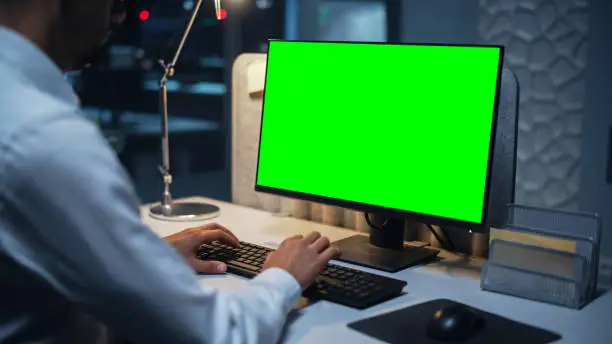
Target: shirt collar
x: 26, y: 58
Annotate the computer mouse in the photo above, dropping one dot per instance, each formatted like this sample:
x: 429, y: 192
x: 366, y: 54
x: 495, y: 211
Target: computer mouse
x: 455, y: 324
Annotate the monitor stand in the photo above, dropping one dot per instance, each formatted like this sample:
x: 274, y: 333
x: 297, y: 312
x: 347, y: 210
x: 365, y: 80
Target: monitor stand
x: 384, y: 249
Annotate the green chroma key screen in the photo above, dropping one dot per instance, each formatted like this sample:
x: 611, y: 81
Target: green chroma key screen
x: 405, y: 127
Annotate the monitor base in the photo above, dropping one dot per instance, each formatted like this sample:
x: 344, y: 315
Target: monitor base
x: 359, y: 250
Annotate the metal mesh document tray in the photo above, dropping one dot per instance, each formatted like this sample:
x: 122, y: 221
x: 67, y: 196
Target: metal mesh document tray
x: 566, y: 278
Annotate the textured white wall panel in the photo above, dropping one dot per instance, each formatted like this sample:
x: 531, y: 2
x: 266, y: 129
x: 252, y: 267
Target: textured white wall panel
x: 547, y: 49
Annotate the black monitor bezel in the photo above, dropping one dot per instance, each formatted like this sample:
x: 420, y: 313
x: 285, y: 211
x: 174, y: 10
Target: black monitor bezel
x: 482, y: 226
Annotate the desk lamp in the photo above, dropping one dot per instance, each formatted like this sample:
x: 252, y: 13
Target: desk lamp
x: 168, y: 210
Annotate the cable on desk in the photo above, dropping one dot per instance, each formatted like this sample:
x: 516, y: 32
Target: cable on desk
x: 433, y: 231
x: 446, y: 242
x: 449, y: 242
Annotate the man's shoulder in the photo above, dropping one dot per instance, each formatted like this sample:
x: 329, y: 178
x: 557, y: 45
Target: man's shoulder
x: 40, y: 131
x: 68, y: 132
x: 61, y: 140
x: 63, y: 151
x: 24, y: 105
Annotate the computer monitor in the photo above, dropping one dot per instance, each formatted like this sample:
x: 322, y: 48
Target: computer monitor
x: 403, y: 130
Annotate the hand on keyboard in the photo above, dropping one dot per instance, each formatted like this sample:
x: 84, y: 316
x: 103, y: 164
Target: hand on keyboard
x: 188, y: 241
x: 303, y: 257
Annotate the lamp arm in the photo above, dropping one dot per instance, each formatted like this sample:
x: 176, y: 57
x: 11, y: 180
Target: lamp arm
x: 163, y: 108
x: 169, y: 68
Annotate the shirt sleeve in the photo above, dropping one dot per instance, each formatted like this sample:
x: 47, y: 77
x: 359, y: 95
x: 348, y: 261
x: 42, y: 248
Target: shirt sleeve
x: 84, y: 236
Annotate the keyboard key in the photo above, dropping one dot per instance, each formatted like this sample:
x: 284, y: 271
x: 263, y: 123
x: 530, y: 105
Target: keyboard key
x: 243, y: 265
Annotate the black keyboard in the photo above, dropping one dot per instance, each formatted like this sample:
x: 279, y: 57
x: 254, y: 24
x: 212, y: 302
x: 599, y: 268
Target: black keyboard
x: 339, y: 284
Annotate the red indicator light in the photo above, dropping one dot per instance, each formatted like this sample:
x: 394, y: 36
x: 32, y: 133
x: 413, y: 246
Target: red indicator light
x: 221, y: 14
x: 144, y: 15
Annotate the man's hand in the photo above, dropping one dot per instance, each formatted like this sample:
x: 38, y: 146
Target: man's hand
x: 188, y: 241
x: 303, y: 257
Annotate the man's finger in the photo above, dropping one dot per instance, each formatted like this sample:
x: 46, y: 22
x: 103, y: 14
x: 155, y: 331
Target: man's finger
x: 206, y: 237
x: 312, y: 237
x: 208, y: 266
x: 213, y: 226
x: 268, y: 257
x: 321, y: 244
x: 290, y: 239
x: 328, y: 254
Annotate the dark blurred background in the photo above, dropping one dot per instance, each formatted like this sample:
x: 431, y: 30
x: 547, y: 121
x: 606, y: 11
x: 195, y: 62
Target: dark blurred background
x: 120, y: 92
x: 559, y: 49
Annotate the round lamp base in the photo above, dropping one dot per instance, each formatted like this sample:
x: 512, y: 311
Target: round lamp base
x: 187, y: 211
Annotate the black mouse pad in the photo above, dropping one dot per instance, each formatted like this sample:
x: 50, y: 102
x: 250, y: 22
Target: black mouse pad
x: 409, y: 325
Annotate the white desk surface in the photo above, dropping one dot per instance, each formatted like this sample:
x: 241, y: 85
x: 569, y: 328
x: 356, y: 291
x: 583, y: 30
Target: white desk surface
x: 325, y: 322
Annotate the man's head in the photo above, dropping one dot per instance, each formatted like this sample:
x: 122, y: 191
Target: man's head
x: 70, y: 31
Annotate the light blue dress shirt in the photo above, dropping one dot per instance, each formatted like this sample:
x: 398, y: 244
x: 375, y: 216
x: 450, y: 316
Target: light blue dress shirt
x: 76, y: 262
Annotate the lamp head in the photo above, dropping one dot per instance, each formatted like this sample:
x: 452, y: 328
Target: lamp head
x: 219, y: 11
